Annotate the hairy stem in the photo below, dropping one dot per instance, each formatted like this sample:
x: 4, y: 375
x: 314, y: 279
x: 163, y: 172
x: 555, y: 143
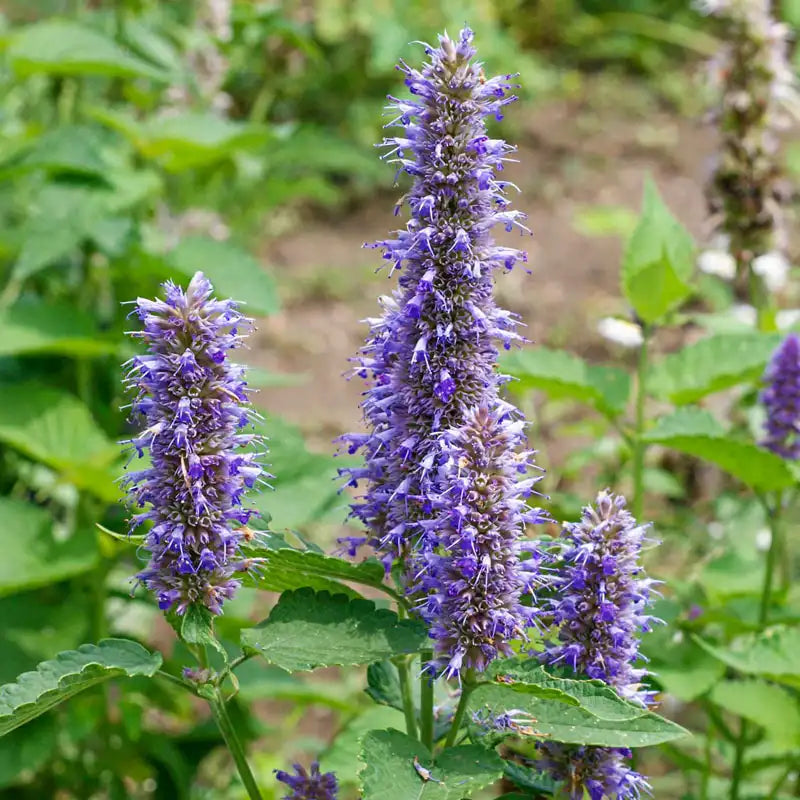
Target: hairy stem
x: 426, y: 703
x: 408, y: 700
x: 463, y: 702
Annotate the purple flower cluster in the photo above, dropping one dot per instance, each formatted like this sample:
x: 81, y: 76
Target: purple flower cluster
x: 194, y: 405
x: 781, y: 398
x: 431, y: 358
x: 470, y: 585
x: 309, y: 785
x: 601, y: 596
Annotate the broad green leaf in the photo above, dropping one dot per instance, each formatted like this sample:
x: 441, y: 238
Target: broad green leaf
x: 55, y: 428
x: 774, y: 654
x: 389, y: 772
x: 383, y: 684
x: 773, y: 708
x: 64, y: 47
x: 197, y: 628
x: 527, y: 778
x: 31, y: 556
x: 658, y: 260
x: 687, y: 671
x: 695, y: 432
x: 561, y: 722
x: 68, y: 673
x: 68, y: 149
x: 308, y: 629
x: 233, y: 271
x: 562, y: 374
x: 711, y: 365
x: 285, y: 567
x: 32, y: 327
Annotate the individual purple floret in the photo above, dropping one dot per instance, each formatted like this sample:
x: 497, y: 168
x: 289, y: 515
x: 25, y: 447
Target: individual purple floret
x: 470, y: 586
x: 781, y: 399
x: 601, y: 597
x: 194, y: 404
x: 309, y: 785
x: 430, y: 358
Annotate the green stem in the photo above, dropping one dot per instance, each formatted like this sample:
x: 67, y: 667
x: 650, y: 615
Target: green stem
x: 234, y: 745
x: 639, y: 446
x: 426, y: 703
x: 776, y: 787
x: 408, y: 700
x: 173, y: 679
x: 705, y: 775
x: 773, y: 518
x: 463, y: 702
x: 738, y: 761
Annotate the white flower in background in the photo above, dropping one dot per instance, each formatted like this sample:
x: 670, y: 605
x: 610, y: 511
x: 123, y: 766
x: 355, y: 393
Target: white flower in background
x: 717, y: 262
x: 787, y: 318
x: 763, y: 540
x: 620, y: 331
x: 774, y: 269
x: 745, y: 314
x: 716, y: 530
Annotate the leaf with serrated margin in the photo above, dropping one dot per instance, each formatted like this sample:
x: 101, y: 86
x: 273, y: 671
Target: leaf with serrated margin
x: 695, y: 432
x: 68, y: 673
x: 389, y: 772
x: 308, y: 629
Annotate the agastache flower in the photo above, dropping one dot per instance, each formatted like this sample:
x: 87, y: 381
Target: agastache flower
x: 781, y: 399
x: 309, y: 784
x: 758, y: 99
x: 194, y: 405
x: 430, y: 358
x: 600, y: 601
x: 470, y: 586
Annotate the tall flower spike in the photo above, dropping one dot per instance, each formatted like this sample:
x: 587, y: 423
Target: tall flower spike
x: 470, y: 586
x: 309, y: 785
x: 430, y: 358
x: 758, y: 97
x: 194, y: 405
x: 601, y: 596
x: 781, y: 399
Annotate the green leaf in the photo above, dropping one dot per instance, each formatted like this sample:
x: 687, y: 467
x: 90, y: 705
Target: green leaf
x: 55, y: 428
x: 389, y: 772
x: 31, y: 556
x: 527, y: 778
x: 774, y: 654
x: 197, y: 627
x: 64, y: 47
x: 68, y: 149
x: 773, y: 708
x: 287, y: 567
x: 562, y: 374
x: 68, y: 673
x: 695, y: 432
x: 26, y: 751
x: 383, y: 684
x: 34, y: 327
x: 561, y: 722
x: 711, y: 365
x: 233, y: 271
x: 658, y: 260
x: 308, y: 629
x: 687, y: 671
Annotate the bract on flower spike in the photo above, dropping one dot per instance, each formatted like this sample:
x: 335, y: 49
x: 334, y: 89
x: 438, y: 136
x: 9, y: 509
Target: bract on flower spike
x: 309, y: 784
x: 431, y: 357
x: 601, y: 596
x: 194, y: 405
x: 781, y: 399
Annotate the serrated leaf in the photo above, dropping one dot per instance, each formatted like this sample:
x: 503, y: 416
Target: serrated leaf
x: 31, y: 556
x: 711, y: 365
x: 774, y: 654
x: 68, y: 673
x: 561, y: 722
x: 527, y: 778
x: 308, y: 629
x: 773, y: 708
x: 658, y: 260
x: 389, y: 772
x: 33, y: 327
x: 197, y: 628
x: 55, y: 428
x: 233, y: 271
x: 64, y: 47
x: 383, y: 684
x: 562, y: 374
x: 695, y: 432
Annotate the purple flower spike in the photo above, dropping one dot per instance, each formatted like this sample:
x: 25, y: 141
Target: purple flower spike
x: 470, y: 586
x: 781, y: 398
x: 601, y: 600
x: 194, y: 405
x: 431, y: 357
x: 309, y: 785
